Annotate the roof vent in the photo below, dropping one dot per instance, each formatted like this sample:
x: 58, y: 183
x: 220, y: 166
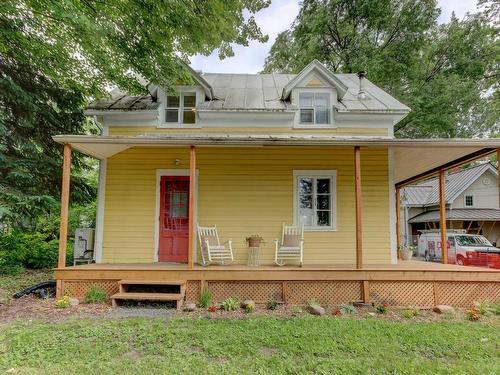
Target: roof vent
x: 362, y: 92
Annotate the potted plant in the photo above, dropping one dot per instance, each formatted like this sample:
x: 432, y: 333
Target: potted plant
x: 254, y: 240
x: 406, y: 252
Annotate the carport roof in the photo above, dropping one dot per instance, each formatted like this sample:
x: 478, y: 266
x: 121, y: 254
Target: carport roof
x: 468, y: 214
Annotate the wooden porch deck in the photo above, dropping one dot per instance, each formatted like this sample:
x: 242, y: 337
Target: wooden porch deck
x: 412, y: 283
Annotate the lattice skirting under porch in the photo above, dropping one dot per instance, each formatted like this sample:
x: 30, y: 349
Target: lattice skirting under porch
x: 422, y: 294
x: 79, y: 288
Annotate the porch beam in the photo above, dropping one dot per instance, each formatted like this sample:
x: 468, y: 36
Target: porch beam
x: 359, y: 202
x: 63, y: 223
x: 192, y: 190
x: 442, y: 216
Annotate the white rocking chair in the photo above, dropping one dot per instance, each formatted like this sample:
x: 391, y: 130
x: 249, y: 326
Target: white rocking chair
x: 291, y: 246
x: 212, y: 250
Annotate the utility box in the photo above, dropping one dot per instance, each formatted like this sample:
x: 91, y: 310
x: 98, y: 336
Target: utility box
x: 83, y: 250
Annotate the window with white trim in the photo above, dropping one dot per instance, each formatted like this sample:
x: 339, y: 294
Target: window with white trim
x: 469, y: 201
x: 181, y: 109
x: 314, y: 108
x: 315, y: 200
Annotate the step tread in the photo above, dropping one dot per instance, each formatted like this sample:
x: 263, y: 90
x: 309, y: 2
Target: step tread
x: 149, y: 296
x: 151, y: 282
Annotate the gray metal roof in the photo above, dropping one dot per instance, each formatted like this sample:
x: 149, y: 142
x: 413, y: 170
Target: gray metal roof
x: 427, y: 193
x: 122, y: 102
x: 469, y: 214
x: 263, y: 92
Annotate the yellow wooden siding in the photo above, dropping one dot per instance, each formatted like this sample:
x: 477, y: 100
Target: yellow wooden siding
x: 247, y: 191
x: 141, y: 130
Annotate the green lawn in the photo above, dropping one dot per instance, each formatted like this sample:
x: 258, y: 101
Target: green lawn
x: 258, y: 345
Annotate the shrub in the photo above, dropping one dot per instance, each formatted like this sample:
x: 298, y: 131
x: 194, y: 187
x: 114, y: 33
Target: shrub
x: 484, y: 308
x: 249, y: 309
x: 346, y: 309
x: 30, y: 250
x: 381, y: 309
x: 230, y: 304
x: 410, y: 313
x: 473, y: 314
x: 63, y: 303
x: 205, y: 298
x: 495, y: 308
x: 272, y: 304
x: 96, y: 294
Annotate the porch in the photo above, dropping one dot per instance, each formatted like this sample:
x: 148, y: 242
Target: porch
x: 412, y: 283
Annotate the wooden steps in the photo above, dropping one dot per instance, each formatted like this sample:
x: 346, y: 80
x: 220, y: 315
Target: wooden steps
x: 131, y: 295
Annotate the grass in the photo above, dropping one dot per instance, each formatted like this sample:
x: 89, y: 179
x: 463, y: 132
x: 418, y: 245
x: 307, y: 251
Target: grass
x: 10, y: 284
x: 263, y: 345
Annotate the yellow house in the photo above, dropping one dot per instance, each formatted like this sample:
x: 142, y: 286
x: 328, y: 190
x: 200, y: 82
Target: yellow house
x: 249, y: 154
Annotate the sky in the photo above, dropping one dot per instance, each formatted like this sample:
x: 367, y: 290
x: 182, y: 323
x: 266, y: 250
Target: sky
x: 277, y: 18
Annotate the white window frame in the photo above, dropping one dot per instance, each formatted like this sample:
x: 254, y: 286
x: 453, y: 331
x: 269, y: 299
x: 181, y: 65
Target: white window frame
x: 180, y: 109
x: 296, y: 99
x: 465, y: 200
x: 162, y: 97
x: 332, y: 175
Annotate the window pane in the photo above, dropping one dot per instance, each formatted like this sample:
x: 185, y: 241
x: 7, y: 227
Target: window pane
x: 306, y: 99
x: 305, y: 186
x: 323, y: 218
x: 306, y: 116
x: 322, y: 100
x: 322, y: 116
x: 323, y: 185
x: 188, y: 117
x: 323, y: 202
x: 172, y: 115
x: 173, y: 101
x: 189, y: 100
x: 306, y: 201
x: 306, y: 217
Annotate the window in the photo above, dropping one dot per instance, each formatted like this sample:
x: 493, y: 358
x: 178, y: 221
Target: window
x: 314, y: 108
x: 315, y: 199
x: 180, y: 109
x: 469, y: 201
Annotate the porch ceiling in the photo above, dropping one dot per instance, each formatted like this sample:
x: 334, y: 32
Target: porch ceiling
x: 411, y: 157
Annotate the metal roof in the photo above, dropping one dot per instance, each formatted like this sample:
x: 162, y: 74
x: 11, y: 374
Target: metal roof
x: 122, y: 102
x: 469, y: 214
x: 427, y: 193
x: 264, y: 92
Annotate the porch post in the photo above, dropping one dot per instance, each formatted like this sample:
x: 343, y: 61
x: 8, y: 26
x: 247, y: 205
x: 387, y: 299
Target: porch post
x: 398, y: 219
x: 192, y: 190
x: 442, y: 217
x: 359, y: 198
x: 498, y: 169
x: 63, y: 226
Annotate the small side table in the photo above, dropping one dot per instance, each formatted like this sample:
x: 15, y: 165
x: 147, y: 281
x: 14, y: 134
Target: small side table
x: 253, y: 256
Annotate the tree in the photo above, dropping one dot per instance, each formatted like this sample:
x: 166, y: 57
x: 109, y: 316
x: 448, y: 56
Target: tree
x: 57, y: 55
x: 447, y: 74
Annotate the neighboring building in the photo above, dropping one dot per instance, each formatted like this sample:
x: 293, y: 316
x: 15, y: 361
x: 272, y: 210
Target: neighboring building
x: 471, y: 204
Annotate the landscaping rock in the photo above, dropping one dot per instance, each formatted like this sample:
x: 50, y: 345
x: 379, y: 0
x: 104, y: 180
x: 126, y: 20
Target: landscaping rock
x: 316, y: 310
x: 442, y: 309
x: 189, y: 307
x: 248, y: 302
x: 74, y: 302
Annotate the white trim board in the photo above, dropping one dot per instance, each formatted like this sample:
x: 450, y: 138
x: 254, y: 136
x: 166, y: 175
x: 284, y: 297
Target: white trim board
x: 172, y: 172
x: 99, y: 220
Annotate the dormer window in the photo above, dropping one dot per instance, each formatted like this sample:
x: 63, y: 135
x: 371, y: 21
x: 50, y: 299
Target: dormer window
x: 180, y: 109
x: 314, y: 108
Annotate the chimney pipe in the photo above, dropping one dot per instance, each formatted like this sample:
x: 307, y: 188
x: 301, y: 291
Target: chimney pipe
x: 362, y: 92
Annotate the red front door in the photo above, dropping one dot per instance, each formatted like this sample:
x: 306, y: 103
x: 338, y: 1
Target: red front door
x: 174, y: 219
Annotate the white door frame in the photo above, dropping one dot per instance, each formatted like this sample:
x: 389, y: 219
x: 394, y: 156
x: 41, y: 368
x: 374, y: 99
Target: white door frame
x: 172, y: 172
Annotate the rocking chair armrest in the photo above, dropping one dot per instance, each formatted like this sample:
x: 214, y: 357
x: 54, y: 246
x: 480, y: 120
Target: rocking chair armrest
x: 228, y: 242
